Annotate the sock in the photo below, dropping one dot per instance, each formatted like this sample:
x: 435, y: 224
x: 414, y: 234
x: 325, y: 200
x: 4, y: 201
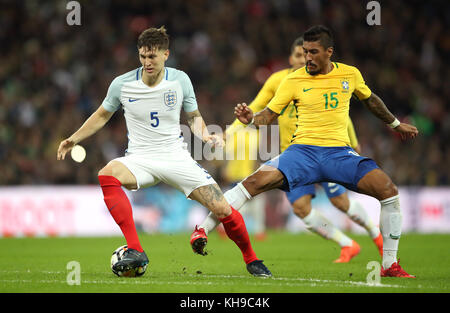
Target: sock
x: 120, y: 208
x: 236, y: 198
x: 391, y: 229
x: 318, y: 224
x: 235, y: 228
x: 358, y: 215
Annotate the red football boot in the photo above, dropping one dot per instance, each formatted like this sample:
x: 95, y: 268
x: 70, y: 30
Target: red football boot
x: 395, y: 271
x: 199, y: 240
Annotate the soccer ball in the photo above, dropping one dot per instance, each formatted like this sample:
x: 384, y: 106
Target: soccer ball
x: 116, y: 256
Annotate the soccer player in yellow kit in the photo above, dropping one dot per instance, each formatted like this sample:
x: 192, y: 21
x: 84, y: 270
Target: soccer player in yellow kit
x: 301, y: 196
x: 320, y: 148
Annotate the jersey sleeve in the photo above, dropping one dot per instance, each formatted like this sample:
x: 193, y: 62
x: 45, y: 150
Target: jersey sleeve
x: 283, y: 95
x: 266, y: 94
x: 189, y: 100
x: 111, y: 103
x: 361, y: 89
x: 352, y: 134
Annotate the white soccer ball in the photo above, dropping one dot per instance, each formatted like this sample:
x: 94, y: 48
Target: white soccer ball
x: 117, y: 256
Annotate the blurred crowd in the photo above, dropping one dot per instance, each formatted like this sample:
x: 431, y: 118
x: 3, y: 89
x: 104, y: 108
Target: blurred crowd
x: 53, y: 76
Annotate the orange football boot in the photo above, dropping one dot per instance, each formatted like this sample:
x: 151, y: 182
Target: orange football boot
x: 348, y: 253
x: 379, y: 243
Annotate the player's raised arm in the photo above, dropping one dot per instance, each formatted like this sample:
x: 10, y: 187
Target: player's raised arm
x: 379, y: 109
x: 198, y: 128
x: 246, y: 116
x: 95, y: 122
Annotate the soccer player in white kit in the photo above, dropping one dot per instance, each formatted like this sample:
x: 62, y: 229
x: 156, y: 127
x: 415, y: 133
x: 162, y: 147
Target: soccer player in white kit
x: 152, y: 97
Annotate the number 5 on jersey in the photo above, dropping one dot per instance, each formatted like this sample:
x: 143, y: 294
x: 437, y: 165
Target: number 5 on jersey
x: 154, y: 118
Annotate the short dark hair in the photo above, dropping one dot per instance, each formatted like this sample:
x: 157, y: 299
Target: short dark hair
x: 319, y: 33
x: 297, y: 42
x: 154, y: 38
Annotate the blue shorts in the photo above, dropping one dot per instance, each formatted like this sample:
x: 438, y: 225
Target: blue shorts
x: 331, y: 189
x: 306, y: 164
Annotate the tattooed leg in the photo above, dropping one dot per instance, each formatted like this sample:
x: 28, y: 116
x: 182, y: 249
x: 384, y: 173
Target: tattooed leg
x: 211, y: 197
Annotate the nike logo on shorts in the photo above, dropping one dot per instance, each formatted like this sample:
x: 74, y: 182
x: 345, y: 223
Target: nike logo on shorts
x: 333, y: 190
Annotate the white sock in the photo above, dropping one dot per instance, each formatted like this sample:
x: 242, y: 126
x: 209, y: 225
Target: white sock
x: 358, y: 215
x: 391, y: 229
x: 236, y: 197
x: 317, y: 223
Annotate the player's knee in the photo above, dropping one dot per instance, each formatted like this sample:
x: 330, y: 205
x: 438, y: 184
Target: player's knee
x: 263, y: 180
x: 385, y: 188
x: 341, y: 202
x: 302, y: 206
x: 222, y: 211
x: 253, y: 185
x: 389, y: 190
x: 105, y: 171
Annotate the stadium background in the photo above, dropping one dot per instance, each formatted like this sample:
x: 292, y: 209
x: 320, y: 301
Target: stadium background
x: 53, y: 76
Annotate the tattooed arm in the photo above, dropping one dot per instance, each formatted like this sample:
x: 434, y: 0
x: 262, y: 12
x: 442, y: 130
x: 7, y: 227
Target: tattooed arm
x: 198, y: 128
x: 379, y: 109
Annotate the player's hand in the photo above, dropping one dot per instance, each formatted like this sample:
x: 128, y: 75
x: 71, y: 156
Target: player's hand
x: 407, y: 131
x: 215, y: 141
x: 243, y: 113
x: 65, y: 146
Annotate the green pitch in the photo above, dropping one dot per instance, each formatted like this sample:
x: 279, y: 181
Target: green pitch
x: 299, y: 263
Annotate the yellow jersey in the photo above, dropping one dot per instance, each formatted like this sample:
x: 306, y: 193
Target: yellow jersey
x: 322, y: 103
x: 240, y: 167
x: 288, y: 118
x: 352, y: 134
x: 241, y: 139
x: 241, y: 152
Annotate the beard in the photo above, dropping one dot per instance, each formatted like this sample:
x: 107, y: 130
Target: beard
x: 314, y: 71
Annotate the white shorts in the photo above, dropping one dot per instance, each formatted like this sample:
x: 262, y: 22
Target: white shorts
x: 178, y: 170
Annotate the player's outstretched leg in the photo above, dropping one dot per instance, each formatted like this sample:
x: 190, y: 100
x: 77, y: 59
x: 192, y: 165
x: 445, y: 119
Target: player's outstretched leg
x: 236, y: 198
x: 211, y: 197
x: 319, y: 224
x: 120, y: 209
x: 378, y: 185
x: 355, y: 211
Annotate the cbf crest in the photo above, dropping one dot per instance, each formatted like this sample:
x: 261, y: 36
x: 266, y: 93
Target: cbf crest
x: 345, y: 85
x: 170, y: 99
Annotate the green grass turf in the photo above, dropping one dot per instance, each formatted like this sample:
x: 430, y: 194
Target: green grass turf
x: 299, y: 263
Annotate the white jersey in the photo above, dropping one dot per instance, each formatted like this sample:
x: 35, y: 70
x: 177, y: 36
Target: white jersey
x: 152, y: 114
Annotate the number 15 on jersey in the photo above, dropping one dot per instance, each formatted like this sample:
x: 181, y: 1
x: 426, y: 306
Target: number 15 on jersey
x: 331, y: 100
